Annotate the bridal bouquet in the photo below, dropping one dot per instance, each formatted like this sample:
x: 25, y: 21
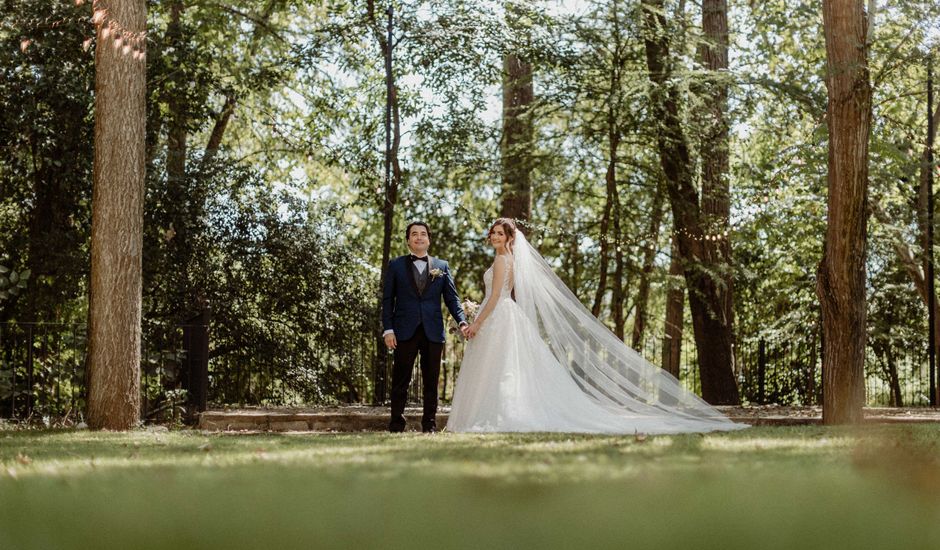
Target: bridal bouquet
x: 470, y: 309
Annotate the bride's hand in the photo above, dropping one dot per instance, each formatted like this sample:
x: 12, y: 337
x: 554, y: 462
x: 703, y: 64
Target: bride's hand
x: 472, y: 330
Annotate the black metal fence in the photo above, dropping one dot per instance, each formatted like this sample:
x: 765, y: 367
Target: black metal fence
x: 43, y: 372
x: 43, y: 369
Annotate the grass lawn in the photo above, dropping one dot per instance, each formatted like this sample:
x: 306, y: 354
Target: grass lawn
x: 762, y: 488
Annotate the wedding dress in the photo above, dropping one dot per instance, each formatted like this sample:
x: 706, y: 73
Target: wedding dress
x: 544, y: 363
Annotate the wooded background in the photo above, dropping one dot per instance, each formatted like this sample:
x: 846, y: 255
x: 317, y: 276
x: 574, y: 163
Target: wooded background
x: 670, y: 158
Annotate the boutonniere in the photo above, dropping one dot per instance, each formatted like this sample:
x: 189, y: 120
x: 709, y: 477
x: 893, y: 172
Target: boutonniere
x: 435, y: 273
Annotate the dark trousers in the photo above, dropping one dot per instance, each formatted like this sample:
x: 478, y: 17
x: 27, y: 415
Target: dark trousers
x: 405, y: 355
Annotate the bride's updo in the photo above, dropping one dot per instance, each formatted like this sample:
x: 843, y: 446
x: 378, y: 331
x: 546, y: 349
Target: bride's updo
x: 509, y: 228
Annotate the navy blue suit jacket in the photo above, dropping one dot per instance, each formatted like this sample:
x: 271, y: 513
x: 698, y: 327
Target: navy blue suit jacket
x: 404, y: 309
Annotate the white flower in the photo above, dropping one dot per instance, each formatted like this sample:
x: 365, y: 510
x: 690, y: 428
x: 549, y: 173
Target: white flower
x: 435, y: 273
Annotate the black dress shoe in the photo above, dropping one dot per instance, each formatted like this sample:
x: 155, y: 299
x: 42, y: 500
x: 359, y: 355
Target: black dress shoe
x: 396, y: 429
x: 429, y: 430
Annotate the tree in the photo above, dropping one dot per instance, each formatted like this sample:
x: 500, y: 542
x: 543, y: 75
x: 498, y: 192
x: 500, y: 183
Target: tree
x: 698, y: 251
x: 516, y: 142
x: 117, y: 215
x: 842, y: 271
x: 649, y: 255
x: 390, y: 197
x: 673, y: 322
x: 716, y: 192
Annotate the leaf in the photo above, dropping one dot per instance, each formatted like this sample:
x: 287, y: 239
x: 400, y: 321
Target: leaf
x: 4, y: 269
x: 25, y: 274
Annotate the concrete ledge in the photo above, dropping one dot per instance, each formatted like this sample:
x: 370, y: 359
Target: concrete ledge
x: 358, y: 418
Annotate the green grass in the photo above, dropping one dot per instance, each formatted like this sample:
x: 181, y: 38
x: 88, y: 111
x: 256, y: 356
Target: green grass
x: 763, y: 488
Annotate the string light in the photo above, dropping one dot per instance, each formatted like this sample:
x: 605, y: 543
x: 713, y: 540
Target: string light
x: 544, y: 230
x: 129, y: 43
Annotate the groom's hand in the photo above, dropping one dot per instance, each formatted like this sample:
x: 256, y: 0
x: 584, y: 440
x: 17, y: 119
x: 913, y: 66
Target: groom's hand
x: 390, y: 341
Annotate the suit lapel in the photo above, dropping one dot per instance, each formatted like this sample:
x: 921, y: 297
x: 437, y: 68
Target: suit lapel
x: 410, y: 273
x: 430, y: 267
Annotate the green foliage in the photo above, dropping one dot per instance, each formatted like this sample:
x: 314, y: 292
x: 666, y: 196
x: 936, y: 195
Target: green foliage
x: 46, y: 83
x: 254, y: 232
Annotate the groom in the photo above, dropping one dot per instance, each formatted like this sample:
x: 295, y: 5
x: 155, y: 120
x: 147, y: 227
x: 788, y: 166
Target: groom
x: 413, y: 324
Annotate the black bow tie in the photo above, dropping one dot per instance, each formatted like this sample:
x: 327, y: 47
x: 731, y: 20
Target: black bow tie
x: 417, y: 259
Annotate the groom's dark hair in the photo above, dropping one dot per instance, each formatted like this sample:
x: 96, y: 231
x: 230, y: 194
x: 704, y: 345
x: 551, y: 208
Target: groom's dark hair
x: 412, y: 224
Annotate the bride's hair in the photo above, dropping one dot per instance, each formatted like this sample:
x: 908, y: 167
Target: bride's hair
x: 509, y: 228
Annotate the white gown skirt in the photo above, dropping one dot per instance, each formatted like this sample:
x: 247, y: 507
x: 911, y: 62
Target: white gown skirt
x: 510, y: 381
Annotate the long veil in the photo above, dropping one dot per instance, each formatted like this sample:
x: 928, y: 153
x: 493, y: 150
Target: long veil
x: 610, y: 372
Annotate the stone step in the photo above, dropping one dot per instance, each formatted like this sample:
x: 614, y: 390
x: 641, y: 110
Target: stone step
x: 362, y: 418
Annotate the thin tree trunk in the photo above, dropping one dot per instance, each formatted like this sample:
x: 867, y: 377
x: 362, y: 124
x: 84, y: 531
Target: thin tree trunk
x: 912, y: 266
x: 571, y: 262
x: 675, y: 302
x: 218, y: 129
x: 611, y: 214
x: 389, y: 199
x: 925, y: 168
x: 700, y: 256
x: 176, y: 139
x: 842, y: 273
x: 231, y: 98
x: 897, y: 400
x: 617, y: 292
x: 117, y: 217
x: 176, y: 166
x: 604, y: 256
x: 649, y: 255
x: 574, y: 262
x: 614, y: 138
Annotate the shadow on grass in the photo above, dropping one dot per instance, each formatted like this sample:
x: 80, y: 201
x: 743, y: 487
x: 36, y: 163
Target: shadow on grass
x: 794, y: 487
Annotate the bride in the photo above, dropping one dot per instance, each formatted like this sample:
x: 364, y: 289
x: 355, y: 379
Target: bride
x: 538, y: 361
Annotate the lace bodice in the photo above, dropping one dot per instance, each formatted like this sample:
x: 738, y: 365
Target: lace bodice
x: 507, y: 282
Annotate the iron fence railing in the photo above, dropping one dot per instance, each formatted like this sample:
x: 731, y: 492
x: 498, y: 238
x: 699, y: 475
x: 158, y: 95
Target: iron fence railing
x: 43, y: 371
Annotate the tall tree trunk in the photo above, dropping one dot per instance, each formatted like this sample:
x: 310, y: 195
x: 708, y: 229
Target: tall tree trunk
x: 716, y: 192
x: 176, y: 165
x: 617, y: 292
x: 516, y: 144
x: 611, y: 212
x: 117, y: 216
x: 700, y: 256
x: 672, y: 328
x: 922, y: 194
x: 841, y: 276
x: 389, y: 198
x: 615, y: 135
x: 649, y: 256
x: 176, y: 140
